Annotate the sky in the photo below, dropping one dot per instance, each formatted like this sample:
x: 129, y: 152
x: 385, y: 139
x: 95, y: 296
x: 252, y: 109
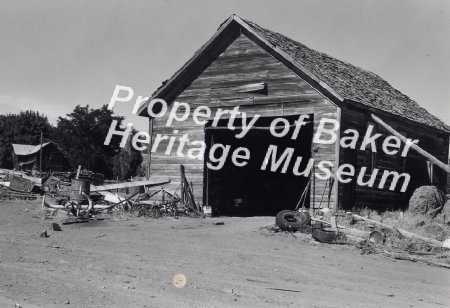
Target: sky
x: 59, y: 54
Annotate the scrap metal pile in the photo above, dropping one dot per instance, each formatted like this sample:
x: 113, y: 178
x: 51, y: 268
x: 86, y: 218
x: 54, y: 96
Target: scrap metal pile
x: 15, y: 187
x: 8, y: 193
x: 20, y: 185
x: 85, y: 194
x: 83, y: 199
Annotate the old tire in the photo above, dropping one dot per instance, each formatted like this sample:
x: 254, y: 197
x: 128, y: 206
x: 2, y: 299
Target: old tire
x: 324, y: 235
x: 318, y: 225
x: 290, y: 220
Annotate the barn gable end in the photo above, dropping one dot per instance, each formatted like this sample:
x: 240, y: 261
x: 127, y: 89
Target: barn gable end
x: 242, y: 63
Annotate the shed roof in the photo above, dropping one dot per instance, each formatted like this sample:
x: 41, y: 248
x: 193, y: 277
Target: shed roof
x: 335, y: 78
x: 27, y: 149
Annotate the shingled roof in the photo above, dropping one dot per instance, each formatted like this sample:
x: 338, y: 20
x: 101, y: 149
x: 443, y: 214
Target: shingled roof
x: 338, y: 79
x: 351, y: 82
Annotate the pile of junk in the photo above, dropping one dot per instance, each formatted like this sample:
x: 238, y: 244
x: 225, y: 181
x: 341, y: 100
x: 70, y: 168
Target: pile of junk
x: 368, y: 235
x: 85, y: 194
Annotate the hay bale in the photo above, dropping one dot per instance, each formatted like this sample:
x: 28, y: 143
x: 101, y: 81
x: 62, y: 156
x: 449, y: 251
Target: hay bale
x: 435, y: 231
x: 425, y: 199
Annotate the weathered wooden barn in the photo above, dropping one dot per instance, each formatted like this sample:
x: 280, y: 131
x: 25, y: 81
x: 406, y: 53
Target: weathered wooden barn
x: 28, y: 157
x: 266, y: 73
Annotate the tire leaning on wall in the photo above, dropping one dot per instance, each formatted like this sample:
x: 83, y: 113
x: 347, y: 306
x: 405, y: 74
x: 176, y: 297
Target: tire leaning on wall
x: 289, y: 220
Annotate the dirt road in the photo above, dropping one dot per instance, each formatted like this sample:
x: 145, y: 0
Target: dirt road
x: 131, y: 263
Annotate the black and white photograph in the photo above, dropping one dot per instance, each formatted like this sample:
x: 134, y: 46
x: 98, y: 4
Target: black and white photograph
x: 164, y: 153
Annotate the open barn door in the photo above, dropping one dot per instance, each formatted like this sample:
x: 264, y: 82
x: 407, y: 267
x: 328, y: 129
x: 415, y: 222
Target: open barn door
x: 249, y: 190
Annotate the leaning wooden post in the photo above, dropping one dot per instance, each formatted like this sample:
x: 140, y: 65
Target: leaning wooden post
x: 78, y: 171
x: 418, y: 149
x: 187, y: 193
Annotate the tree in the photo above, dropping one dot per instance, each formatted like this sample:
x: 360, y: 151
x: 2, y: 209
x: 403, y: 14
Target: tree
x: 127, y: 163
x: 22, y: 128
x: 82, y: 133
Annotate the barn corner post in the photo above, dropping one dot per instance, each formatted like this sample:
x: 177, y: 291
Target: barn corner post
x: 149, y: 153
x: 336, y: 202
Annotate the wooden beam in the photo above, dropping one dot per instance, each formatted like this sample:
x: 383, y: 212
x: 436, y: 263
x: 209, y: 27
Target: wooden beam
x: 128, y: 185
x: 405, y: 233
x: 253, y: 127
x: 415, y: 147
x: 260, y: 87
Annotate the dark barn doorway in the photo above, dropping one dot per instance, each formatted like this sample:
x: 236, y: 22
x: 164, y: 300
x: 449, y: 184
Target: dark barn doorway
x: 417, y: 169
x: 248, y: 190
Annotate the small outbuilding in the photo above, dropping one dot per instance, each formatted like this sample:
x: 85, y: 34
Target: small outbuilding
x: 268, y: 74
x: 28, y: 157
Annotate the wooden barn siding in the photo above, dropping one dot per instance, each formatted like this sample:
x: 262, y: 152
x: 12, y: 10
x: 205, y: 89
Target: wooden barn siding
x: 243, y: 62
x: 434, y: 143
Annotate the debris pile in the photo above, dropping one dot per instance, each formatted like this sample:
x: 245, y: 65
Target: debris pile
x: 160, y: 203
x: 88, y: 195
x: 18, y: 189
x: 412, y: 235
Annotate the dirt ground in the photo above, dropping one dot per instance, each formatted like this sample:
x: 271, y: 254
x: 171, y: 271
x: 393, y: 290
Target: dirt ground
x: 131, y: 263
